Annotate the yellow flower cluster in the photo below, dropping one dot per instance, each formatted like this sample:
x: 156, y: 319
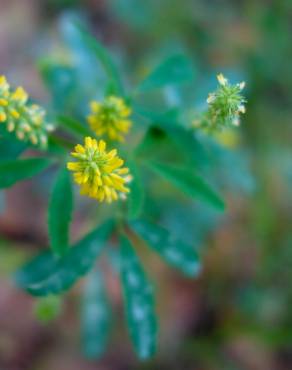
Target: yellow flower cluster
x: 110, y: 118
x: 26, y: 120
x: 99, y: 173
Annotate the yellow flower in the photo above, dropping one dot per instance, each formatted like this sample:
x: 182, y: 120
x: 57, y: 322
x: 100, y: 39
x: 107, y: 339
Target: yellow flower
x: 110, y: 118
x: 25, y: 119
x: 99, y: 173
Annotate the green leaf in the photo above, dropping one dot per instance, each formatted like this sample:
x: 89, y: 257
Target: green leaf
x: 175, y: 252
x: 136, y: 195
x: 189, y: 183
x: 61, y: 274
x: 74, y: 126
x: 156, y: 144
x: 61, y: 81
x: 187, y: 142
x: 95, y: 316
x: 160, y: 139
x: 58, y: 145
x: 10, y: 146
x: 170, y: 126
x: 60, y: 213
x: 170, y: 116
x: 104, y: 58
x: 12, y: 171
x: 139, y: 302
x: 175, y: 70
x: 37, y: 269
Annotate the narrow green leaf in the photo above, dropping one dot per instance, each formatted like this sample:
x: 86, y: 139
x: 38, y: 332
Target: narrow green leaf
x: 189, y: 183
x: 174, y: 70
x: 12, y: 171
x: 95, y: 316
x: 60, y: 213
x: 175, y: 252
x: 61, y: 81
x: 139, y: 302
x: 58, y: 145
x: 186, y: 141
x: 167, y: 117
x: 174, y: 132
x: 37, y: 269
x: 136, y: 195
x: 104, y: 58
x: 155, y: 144
x: 159, y: 142
x: 74, y: 126
x: 61, y: 274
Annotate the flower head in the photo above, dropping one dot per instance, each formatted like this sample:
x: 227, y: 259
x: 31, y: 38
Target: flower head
x: 99, y: 173
x: 225, y: 104
x: 21, y: 117
x: 110, y: 118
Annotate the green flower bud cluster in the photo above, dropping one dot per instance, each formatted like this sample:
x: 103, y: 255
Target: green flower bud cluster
x: 225, y: 106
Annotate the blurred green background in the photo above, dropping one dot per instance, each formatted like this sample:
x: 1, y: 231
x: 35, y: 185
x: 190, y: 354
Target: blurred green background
x: 237, y: 315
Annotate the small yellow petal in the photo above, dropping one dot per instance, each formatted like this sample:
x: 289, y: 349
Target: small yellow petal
x: 101, y: 145
x: 95, y: 106
x: 3, y: 116
x: 73, y: 166
x: 14, y: 113
x: 88, y: 142
x: 20, y: 95
x: 79, y: 149
x: 3, y: 80
x: 3, y: 102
